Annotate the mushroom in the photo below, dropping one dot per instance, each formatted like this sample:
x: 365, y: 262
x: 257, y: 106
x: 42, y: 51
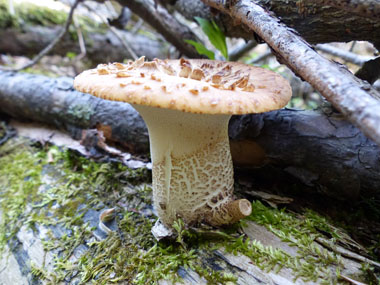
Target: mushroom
x: 186, y: 105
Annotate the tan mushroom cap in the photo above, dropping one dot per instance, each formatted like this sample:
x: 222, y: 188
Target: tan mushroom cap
x: 195, y: 86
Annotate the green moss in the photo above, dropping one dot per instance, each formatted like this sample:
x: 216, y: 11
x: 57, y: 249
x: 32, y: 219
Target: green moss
x: 38, y: 15
x: 35, y: 193
x: 27, y: 13
x: 312, y: 261
x: 19, y: 183
x: 6, y: 20
x: 130, y: 255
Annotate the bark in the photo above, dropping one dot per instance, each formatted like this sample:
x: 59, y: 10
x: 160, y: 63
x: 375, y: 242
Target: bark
x: 54, y: 101
x: 316, y: 23
x: 365, y: 8
x: 336, y: 84
x: 322, y: 151
x: 100, y: 47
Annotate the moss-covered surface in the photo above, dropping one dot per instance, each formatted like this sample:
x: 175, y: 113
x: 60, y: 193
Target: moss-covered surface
x: 37, y: 15
x: 49, y: 187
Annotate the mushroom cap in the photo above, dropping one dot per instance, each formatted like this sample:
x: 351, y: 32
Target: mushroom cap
x: 195, y: 85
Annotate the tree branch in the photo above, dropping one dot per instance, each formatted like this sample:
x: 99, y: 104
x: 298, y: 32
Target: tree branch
x: 335, y: 83
x: 161, y: 20
x: 126, y: 45
x: 56, y: 40
x: 241, y: 50
x: 345, y: 55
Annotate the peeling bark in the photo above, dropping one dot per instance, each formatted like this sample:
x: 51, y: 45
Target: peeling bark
x: 323, y: 151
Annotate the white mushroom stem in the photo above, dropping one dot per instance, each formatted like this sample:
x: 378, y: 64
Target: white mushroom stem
x: 192, y: 167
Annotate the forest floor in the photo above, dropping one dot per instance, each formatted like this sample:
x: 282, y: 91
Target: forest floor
x: 51, y: 198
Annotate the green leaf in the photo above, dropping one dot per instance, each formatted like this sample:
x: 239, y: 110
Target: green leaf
x: 201, y: 49
x: 214, y: 34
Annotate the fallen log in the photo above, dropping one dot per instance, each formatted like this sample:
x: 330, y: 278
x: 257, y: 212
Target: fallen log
x: 321, y: 150
x: 100, y: 47
x: 315, y: 22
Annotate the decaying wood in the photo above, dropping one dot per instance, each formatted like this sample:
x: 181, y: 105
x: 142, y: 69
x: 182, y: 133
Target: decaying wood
x: 315, y: 22
x: 100, y: 47
x: 346, y: 163
x: 334, y: 82
x: 168, y: 26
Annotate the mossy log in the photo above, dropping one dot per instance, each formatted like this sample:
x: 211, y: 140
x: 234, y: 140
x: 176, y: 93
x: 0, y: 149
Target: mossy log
x: 33, y: 27
x: 100, y: 46
x: 322, y: 150
x: 51, y: 200
x: 346, y: 165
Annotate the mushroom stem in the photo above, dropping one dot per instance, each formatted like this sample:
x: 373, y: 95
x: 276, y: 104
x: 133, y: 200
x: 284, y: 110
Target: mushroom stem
x: 192, y: 167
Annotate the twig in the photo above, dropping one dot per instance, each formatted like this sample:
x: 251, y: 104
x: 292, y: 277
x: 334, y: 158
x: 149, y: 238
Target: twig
x: 241, y: 50
x: 115, y: 32
x: 352, y: 46
x: 260, y: 57
x: 351, y: 281
x: 345, y: 55
x: 161, y: 20
x: 333, y: 81
x: 81, y: 42
x: 137, y: 26
x: 49, y: 47
x: 344, y: 252
x: 365, y: 8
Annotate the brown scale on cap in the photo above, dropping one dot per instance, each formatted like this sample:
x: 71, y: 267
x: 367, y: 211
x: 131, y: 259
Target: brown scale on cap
x: 206, y: 78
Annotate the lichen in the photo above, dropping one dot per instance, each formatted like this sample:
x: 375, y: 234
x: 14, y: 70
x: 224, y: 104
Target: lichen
x: 50, y: 187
